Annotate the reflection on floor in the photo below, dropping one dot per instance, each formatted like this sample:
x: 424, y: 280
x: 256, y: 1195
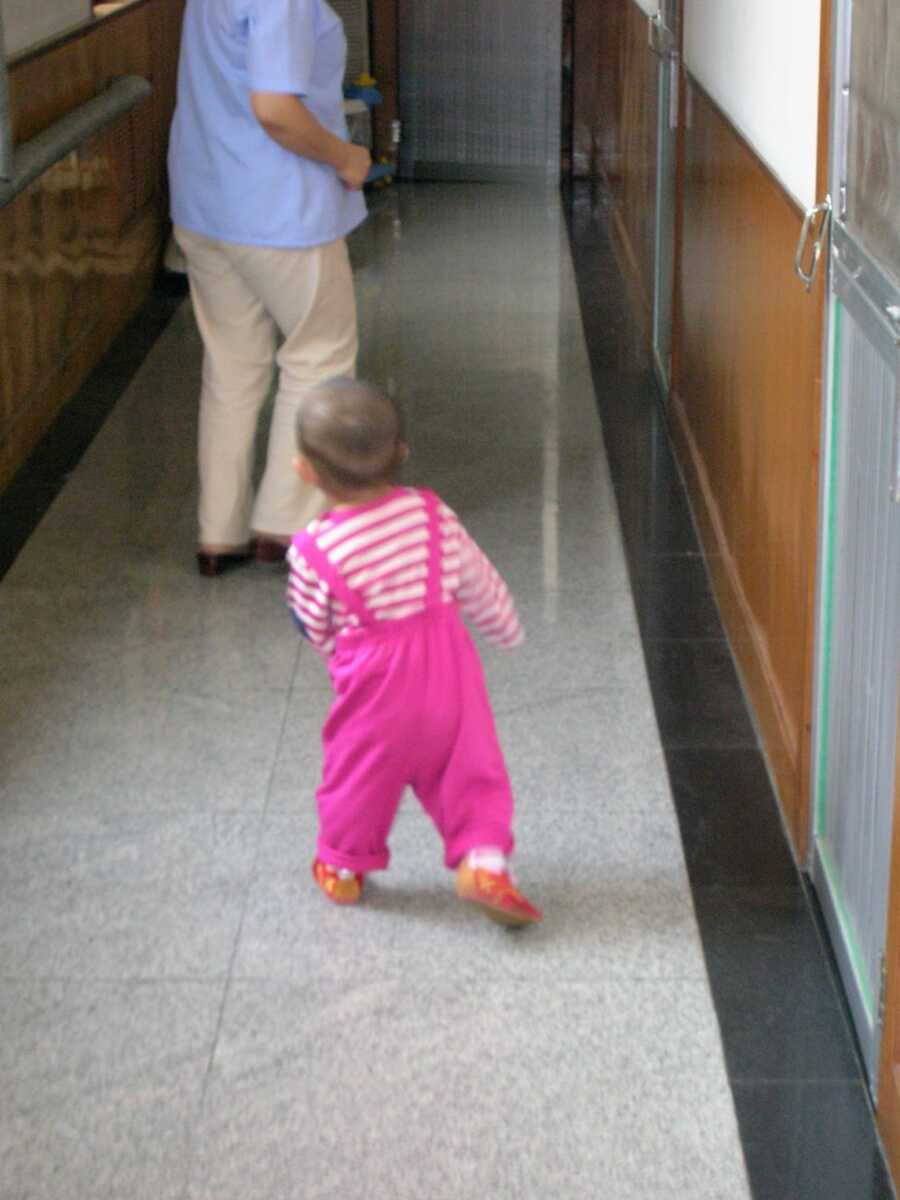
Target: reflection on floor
x: 184, y: 1016
x: 803, y: 1109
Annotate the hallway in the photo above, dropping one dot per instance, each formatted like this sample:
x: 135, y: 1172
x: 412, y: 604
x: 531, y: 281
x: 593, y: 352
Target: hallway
x: 184, y: 1016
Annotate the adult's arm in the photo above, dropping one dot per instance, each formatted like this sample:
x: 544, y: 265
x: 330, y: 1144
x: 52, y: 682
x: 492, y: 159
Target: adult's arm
x: 288, y: 121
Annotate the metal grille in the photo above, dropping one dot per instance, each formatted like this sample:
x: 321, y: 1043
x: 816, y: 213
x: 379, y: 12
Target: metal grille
x: 865, y: 633
x: 355, y: 15
x: 480, y: 84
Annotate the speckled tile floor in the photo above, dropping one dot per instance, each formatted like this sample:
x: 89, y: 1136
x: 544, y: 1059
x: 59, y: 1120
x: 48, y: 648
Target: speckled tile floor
x: 182, y: 1014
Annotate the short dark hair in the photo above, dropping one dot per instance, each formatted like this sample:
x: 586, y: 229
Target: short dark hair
x: 353, y: 432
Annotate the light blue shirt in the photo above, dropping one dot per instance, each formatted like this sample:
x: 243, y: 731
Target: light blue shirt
x: 228, y: 178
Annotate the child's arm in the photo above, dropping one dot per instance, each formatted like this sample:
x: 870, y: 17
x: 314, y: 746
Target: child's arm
x: 309, y: 602
x: 484, y: 598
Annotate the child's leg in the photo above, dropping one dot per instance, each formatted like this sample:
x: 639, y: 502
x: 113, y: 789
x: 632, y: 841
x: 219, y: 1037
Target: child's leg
x: 469, y: 799
x: 461, y: 779
x: 357, y: 804
x: 357, y: 800
x: 464, y: 786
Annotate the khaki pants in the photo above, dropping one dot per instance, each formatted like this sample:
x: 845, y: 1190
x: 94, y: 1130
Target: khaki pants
x: 243, y: 296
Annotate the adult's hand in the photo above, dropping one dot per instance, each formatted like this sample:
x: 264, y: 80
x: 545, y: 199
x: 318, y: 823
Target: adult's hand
x: 288, y: 121
x: 353, y: 173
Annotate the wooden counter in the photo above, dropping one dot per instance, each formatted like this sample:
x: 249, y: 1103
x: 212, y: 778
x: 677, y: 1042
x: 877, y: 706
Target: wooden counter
x: 79, y: 248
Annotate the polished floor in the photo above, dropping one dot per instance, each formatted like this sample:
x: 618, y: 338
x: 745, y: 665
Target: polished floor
x: 185, y: 1017
x: 803, y: 1109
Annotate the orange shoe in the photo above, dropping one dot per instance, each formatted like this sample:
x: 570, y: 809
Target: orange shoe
x: 496, y: 895
x: 341, y: 887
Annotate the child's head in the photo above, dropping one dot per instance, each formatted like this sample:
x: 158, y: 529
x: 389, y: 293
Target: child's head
x: 350, y: 436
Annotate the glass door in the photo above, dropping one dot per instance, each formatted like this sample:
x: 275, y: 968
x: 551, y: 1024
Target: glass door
x: 858, y: 630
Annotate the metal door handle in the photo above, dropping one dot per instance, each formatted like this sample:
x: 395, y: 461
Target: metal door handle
x: 823, y: 210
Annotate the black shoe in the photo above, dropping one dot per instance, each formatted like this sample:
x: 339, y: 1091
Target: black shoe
x: 211, y: 565
x: 265, y: 550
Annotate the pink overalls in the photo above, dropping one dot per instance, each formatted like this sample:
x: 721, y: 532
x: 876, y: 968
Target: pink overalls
x: 411, y: 709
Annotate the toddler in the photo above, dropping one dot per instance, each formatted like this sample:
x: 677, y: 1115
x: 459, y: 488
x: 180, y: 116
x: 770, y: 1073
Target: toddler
x: 377, y: 585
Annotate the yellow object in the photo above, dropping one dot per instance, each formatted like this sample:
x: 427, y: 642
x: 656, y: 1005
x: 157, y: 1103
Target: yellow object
x: 337, y: 886
x: 496, y: 895
x: 365, y: 80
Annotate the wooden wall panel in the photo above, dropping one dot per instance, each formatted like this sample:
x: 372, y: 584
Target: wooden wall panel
x: 615, y: 114
x: 590, y: 39
x: 746, y: 408
x: 79, y: 247
x: 384, y: 68
x: 635, y: 188
x: 597, y: 60
x: 747, y: 365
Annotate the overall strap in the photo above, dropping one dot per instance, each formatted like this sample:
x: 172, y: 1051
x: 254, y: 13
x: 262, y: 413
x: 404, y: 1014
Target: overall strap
x: 434, y: 594
x: 318, y: 560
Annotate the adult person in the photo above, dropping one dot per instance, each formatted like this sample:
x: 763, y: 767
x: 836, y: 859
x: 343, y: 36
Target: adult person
x: 265, y: 186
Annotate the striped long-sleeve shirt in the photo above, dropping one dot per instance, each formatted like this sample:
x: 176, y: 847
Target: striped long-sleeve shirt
x: 381, y: 551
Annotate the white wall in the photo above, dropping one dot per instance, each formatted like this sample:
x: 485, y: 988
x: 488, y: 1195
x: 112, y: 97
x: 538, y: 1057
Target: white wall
x: 650, y: 7
x: 759, y: 60
x: 29, y: 21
